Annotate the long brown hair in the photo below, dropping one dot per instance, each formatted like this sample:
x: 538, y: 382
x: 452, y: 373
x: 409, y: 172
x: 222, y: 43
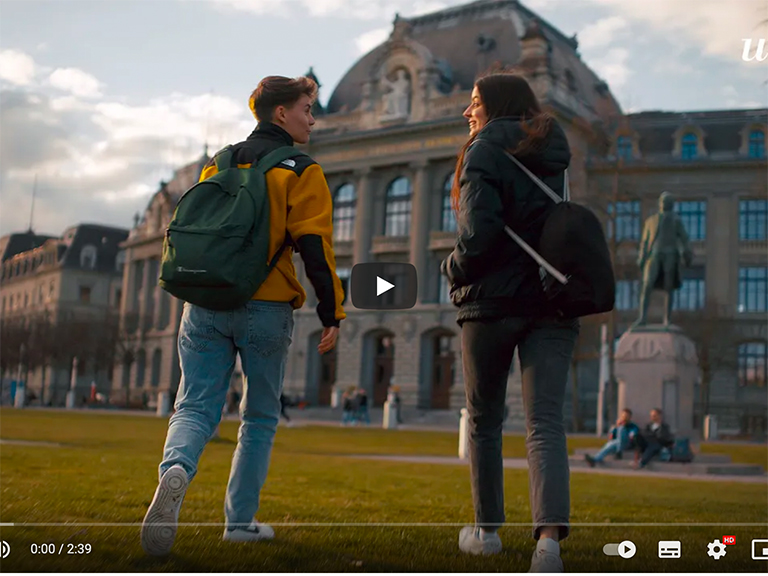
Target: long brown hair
x: 506, y: 94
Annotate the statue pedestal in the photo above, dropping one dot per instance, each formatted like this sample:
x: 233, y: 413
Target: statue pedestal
x: 657, y: 367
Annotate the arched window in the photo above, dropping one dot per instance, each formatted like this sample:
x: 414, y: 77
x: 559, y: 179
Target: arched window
x: 398, y: 208
x: 689, y: 146
x: 157, y: 357
x: 753, y: 357
x: 757, y: 144
x: 448, y: 222
x: 120, y: 261
x: 88, y: 257
x: 624, y: 147
x: 344, y: 212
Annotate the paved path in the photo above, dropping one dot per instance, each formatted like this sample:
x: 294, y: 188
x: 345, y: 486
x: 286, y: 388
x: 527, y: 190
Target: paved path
x: 522, y: 464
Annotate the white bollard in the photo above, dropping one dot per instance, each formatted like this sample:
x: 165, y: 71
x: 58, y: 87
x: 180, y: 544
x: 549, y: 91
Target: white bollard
x: 70, y: 400
x: 335, y: 397
x: 464, y: 434
x: 20, y: 397
x: 163, y: 404
x: 389, y: 421
x: 710, y: 427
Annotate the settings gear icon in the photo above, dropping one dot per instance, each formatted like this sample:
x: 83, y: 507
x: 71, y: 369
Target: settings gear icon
x: 716, y: 549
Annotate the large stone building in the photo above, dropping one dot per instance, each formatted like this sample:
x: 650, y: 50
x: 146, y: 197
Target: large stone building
x: 387, y: 140
x: 56, y: 293
x: 149, y: 316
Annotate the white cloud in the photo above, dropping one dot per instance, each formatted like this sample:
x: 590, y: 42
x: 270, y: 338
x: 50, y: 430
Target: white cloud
x: 353, y: 9
x: 613, y: 67
x: 75, y: 81
x: 16, y: 67
x: 717, y: 27
x: 369, y: 40
x: 601, y: 33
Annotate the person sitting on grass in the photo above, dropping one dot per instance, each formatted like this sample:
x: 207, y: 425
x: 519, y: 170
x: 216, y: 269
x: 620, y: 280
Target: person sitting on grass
x: 623, y: 436
x: 655, y: 437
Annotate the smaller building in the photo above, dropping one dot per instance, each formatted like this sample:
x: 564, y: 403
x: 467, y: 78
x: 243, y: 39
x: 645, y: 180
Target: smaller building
x: 59, y: 299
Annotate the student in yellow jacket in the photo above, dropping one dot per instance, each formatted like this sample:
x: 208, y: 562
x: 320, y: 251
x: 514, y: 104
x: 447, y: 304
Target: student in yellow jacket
x: 260, y: 332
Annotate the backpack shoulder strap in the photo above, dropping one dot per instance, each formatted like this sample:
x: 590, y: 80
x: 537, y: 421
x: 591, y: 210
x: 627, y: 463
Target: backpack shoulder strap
x: 546, y: 189
x: 559, y: 276
x: 223, y: 159
x: 276, y: 156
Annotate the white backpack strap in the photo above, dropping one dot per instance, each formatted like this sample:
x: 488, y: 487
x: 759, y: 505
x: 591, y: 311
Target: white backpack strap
x: 559, y: 276
x: 536, y: 256
x: 566, y: 186
x: 547, y: 190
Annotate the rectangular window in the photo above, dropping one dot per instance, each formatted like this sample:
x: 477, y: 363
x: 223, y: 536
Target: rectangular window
x: 694, y: 217
x: 624, y: 148
x: 344, y: 274
x: 753, y: 289
x: 85, y: 294
x: 692, y: 294
x: 444, y: 290
x: 626, y: 217
x: 753, y: 219
x: 627, y: 294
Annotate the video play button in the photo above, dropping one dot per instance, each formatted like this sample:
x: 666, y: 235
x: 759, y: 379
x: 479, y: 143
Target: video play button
x: 627, y: 549
x: 383, y: 286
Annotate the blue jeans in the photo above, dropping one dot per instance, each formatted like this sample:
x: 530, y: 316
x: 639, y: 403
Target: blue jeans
x: 614, y: 446
x: 209, y: 342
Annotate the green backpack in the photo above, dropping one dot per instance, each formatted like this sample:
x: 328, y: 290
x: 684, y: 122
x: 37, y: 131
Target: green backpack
x: 216, y: 248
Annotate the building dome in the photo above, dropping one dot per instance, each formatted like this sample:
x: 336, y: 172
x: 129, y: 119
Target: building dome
x: 461, y: 42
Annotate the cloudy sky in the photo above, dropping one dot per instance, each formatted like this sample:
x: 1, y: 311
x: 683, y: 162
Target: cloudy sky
x: 100, y: 100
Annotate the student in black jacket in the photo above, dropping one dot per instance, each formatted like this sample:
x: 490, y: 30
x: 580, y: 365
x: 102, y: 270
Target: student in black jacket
x: 655, y: 436
x: 502, y: 307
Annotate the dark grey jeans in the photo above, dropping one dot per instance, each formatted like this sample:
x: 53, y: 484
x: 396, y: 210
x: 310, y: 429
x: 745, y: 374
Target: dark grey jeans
x: 545, y: 347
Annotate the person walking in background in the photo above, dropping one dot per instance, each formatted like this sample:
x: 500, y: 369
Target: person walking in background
x: 502, y: 307
x: 362, y: 406
x: 623, y: 436
x: 300, y: 217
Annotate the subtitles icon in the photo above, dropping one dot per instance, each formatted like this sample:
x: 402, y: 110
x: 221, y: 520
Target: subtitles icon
x: 670, y: 549
x: 5, y: 550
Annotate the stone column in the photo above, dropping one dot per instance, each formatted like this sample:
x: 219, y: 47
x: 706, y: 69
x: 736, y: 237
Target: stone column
x: 144, y: 296
x: 364, y: 228
x: 657, y: 368
x: 420, y: 225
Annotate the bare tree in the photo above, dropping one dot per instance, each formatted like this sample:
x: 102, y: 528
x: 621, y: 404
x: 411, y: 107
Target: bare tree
x: 713, y: 332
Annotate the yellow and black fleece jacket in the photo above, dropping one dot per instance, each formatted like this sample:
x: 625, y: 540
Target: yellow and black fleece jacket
x: 301, y: 214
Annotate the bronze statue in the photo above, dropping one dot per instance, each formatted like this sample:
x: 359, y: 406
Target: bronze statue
x: 664, y: 251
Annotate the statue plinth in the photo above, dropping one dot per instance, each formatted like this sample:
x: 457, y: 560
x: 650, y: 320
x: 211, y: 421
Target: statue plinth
x: 657, y: 367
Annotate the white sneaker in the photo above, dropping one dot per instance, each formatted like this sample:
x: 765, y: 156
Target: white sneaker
x: 473, y: 540
x: 546, y: 558
x: 158, y: 531
x: 254, y: 533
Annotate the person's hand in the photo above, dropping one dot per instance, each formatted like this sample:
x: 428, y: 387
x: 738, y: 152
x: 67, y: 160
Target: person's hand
x: 328, y: 339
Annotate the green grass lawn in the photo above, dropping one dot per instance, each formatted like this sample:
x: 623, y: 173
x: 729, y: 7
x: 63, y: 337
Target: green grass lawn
x: 106, y: 473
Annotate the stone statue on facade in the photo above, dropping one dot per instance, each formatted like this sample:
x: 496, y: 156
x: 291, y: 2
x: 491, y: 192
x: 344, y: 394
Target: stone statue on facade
x: 397, y: 95
x: 664, y: 252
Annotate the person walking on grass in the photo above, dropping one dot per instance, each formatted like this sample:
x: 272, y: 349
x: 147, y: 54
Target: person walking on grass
x: 300, y: 216
x: 502, y: 307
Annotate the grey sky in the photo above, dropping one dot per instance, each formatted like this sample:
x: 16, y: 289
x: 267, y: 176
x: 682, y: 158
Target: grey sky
x: 101, y: 99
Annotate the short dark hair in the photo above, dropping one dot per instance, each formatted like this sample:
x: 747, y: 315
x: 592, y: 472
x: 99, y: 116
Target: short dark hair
x: 628, y: 411
x: 274, y: 91
x: 659, y: 410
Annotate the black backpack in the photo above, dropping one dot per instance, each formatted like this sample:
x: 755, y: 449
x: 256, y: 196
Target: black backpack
x: 574, y: 260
